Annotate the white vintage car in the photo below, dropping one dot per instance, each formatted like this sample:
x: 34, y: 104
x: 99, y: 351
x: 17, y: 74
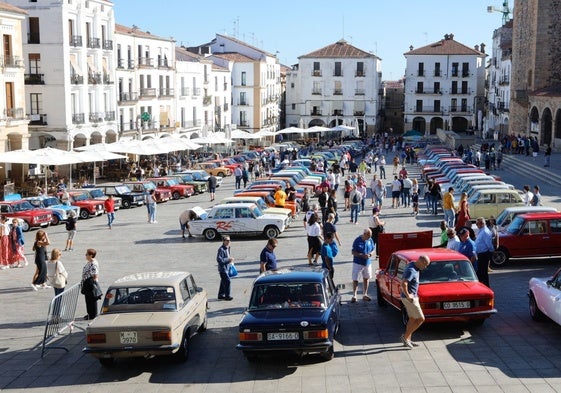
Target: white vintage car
x: 238, y: 219
x: 544, y: 296
x: 261, y: 204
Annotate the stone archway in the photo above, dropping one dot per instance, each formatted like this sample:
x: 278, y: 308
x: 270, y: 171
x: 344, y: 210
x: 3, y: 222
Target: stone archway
x: 335, y: 123
x: 459, y: 124
x: 546, y: 127
x: 420, y: 124
x: 435, y: 124
x: 534, y: 119
x: 316, y: 122
x: 111, y: 136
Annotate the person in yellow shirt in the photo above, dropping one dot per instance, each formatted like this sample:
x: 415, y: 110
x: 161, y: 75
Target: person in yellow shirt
x: 449, y: 207
x: 280, y: 197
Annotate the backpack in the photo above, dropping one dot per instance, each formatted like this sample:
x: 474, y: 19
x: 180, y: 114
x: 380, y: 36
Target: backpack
x: 356, y: 199
x: 70, y: 224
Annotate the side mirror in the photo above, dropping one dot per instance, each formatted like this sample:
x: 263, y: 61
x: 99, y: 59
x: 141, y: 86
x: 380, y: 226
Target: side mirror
x: 549, y: 282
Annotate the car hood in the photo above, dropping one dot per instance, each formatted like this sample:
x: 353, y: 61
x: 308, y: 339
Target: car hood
x: 454, y: 290
x: 132, y: 320
x: 286, y: 317
x: 278, y: 210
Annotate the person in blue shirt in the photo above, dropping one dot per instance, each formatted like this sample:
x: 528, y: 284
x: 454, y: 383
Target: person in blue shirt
x: 224, y: 259
x: 268, y: 259
x: 467, y: 246
x: 329, y: 251
x: 363, y: 249
x: 484, y: 249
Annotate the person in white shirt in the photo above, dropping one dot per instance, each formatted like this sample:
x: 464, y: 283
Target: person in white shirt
x: 527, y: 196
x: 453, y: 240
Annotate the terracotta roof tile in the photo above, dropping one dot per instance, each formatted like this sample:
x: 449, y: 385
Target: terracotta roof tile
x: 446, y: 46
x: 340, y: 49
x: 11, y: 8
x: 234, y: 56
x: 245, y: 44
x: 138, y: 33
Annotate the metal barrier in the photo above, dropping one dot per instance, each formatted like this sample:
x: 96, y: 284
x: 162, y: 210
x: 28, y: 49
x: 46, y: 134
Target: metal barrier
x: 61, y: 316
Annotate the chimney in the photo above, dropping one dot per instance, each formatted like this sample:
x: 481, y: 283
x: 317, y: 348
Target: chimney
x: 476, y: 47
x: 446, y: 37
x: 451, y: 36
x: 482, y: 47
x: 410, y: 47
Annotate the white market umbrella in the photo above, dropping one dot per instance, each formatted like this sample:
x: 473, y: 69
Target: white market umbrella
x: 94, y: 156
x: 239, y: 134
x: 342, y: 128
x: 317, y: 129
x: 290, y: 130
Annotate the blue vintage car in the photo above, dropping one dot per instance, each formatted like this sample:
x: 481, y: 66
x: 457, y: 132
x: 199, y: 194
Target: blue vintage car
x: 59, y: 210
x: 291, y: 310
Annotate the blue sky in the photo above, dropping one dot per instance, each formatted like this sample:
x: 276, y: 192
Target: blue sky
x: 294, y: 28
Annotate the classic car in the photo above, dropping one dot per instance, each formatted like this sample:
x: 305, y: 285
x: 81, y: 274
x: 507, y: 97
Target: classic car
x: 199, y: 186
x: 238, y: 219
x: 213, y: 168
x: 58, y: 209
x: 128, y: 197
x: 544, y: 294
x: 267, y: 196
x: 529, y: 235
x: 491, y: 202
x: 201, y: 175
x: 261, y: 204
x: 504, y: 219
x: 98, y: 194
x: 448, y: 292
x: 172, y: 185
x: 30, y: 216
x: 144, y: 186
x: 88, y: 207
x: 294, y: 310
x: 148, y: 314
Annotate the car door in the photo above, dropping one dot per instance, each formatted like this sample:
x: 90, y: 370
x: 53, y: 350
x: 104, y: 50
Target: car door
x: 532, y: 240
x: 197, y: 304
x: 551, y: 304
x: 333, y: 302
x: 245, y: 220
x: 385, y: 280
x: 224, y: 220
x: 396, y: 282
x: 555, y: 233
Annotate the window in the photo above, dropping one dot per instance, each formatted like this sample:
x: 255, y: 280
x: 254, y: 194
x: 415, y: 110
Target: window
x: 419, y: 87
x: 338, y: 71
x: 317, y: 70
x: 34, y: 36
x: 465, y: 69
x: 419, y: 106
x: 184, y: 289
x: 243, y: 98
x: 360, y: 68
x: 465, y: 87
x: 293, y: 107
x: 244, y: 78
x: 9, y: 98
x: 555, y: 226
x: 421, y: 70
x: 455, y: 69
x: 453, y: 105
x: 437, y: 87
x: 436, y: 69
x: 454, y: 87
x: 34, y: 63
x: 437, y: 105
x: 224, y: 213
x: 35, y: 103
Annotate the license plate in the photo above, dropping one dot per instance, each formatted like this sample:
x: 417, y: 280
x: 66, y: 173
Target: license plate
x: 456, y: 305
x: 129, y: 338
x: 282, y: 336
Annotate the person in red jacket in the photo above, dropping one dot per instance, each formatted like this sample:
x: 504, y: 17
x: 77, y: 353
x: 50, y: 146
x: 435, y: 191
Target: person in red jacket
x: 110, y: 210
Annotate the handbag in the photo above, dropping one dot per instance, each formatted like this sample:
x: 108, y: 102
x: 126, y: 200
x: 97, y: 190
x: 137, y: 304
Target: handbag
x: 232, y: 271
x: 97, y: 292
x: 58, y: 280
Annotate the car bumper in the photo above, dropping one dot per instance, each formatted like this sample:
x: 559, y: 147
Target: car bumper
x: 460, y: 316
x: 124, y: 352
x: 299, y: 348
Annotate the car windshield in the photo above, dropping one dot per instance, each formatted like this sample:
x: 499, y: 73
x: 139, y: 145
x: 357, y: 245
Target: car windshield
x: 442, y: 271
x: 81, y: 197
x: 256, y: 211
x: 149, y: 186
x: 287, y: 295
x: 97, y: 193
x: 51, y: 201
x: 502, y: 219
x: 172, y: 182
x: 515, y: 225
x: 139, y: 299
x: 123, y: 189
x: 187, y: 177
x: 22, y: 206
x: 198, y: 176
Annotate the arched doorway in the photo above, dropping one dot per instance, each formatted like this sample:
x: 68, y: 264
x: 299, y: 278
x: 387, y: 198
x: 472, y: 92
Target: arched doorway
x: 459, y: 124
x: 335, y: 123
x: 534, y: 119
x: 558, y: 124
x: 420, y: 124
x: 435, y: 124
x: 316, y: 122
x: 546, y: 127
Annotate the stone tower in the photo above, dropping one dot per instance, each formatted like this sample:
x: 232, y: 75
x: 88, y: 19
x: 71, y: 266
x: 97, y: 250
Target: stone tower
x: 536, y: 54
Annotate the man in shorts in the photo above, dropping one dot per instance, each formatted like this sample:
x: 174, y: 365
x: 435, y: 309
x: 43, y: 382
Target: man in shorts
x: 410, y: 300
x: 184, y: 219
x: 363, y: 250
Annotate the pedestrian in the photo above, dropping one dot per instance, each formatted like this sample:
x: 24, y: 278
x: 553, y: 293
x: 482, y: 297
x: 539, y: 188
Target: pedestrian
x: 499, y: 158
x: 361, y: 187
x: 313, y: 230
x: 407, y: 184
x: 362, y: 250
x: 65, y: 197
x: 373, y: 186
x: 396, y: 192
x: 268, y: 259
x: 40, y: 248
x: 346, y: 194
x: 280, y: 197
x: 151, y: 206
x: 449, y: 207
x: 332, y: 206
x: 443, y: 234
x: 184, y: 219
x: 5, y: 246
x: 224, y: 259
x: 410, y: 299
x: 467, y: 247
x: 245, y: 176
x: 415, y: 197
x: 484, y: 249
x: 238, y: 175
x: 355, y: 199
x: 463, y: 212
x: 322, y: 200
x: 17, y: 242
x: 436, y: 196
x: 70, y: 230
x: 537, y: 198
x: 527, y: 196
x: 212, y: 181
x: 109, y: 205
x: 376, y: 225
x: 329, y: 227
x: 453, y: 242
x: 329, y: 251
x: 379, y: 194
x: 56, y: 273
x: 90, y: 275
x: 382, y: 166
x: 547, y: 156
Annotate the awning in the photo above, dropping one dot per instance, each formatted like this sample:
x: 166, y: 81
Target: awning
x: 74, y: 63
x: 91, y: 64
x: 104, y: 65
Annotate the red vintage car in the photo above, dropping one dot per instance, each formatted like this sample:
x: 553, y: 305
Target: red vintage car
x: 172, y: 185
x: 88, y: 207
x: 448, y: 291
x: 28, y: 215
x: 144, y: 186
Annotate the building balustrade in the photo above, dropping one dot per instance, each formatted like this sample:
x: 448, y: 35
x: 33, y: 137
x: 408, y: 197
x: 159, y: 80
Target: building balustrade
x: 78, y: 118
x: 76, y: 40
x: 93, y: 43
x: 34, y: 79
x: 108, y: 44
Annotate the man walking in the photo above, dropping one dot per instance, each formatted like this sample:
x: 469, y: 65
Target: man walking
x: 410, y: 300
x: 484, y: 249
x: 363, y: 249
x: 238, y: 175
x: 109, y: 205
x: 268, y: 259
x: 224, y: 259
x: 449, y: 208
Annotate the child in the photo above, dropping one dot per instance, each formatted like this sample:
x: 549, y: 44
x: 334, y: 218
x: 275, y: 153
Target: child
x: 415, y: 200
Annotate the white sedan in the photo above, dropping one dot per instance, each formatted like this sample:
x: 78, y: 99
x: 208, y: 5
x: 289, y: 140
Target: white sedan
x: 545, y: 298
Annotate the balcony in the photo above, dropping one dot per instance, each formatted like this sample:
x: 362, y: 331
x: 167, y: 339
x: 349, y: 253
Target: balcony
x: 145, y: 62
x: 358, y: 113
x: 242, y: 103
x: 185, y: 91
x: 126, y: 127
x: 14, y: 113
x: 316, y: 73
x: 96, y: 117
x: 460, y: 92
x: 148, y: 92
x: 128, y: 97
x: 130, y: 64
x: 166, y: 92
x: 76, y: 79
x: 34, y: 79
x: 33, y: 38
x: 94, y: 78
x: 120, y: 64
x: 12, y: 61
x: 107, y: 79
x: 76, y: 40
x: 465, y: 73
x: 359, y: 92
x: 316, y: 92
x: 337, y: 92
x: 337, y: 112
x: 93, y: 43
x: 460, y: 109
x: 109, y: 116
x: 207, y: 100
x: 428, y: 109
x: 196, y: 91
x: 316, y: 112
x: 38, y: 119
x: 163, y: 63
x: 243, y: 123
x: 454, y: 73
x: 359, y: 74
x: 191, y: 123
x: 78, y: 118
x: 505, y: 80
x: 432, y: 91
x: 107, y: 45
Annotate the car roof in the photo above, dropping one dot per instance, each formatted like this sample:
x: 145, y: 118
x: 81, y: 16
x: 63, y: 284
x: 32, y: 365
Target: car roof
x: 292, y: 274
x: 246, y: 197
x: 435, y: 254
x: 517, y: 209
x: 240, y: 204
x: 541, y: 215
x: 151, y: 278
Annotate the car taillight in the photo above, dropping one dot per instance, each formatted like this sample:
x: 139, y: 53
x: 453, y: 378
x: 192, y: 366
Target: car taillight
x: 98, y: 338
x: 161, y: 336
x: 315, y: 334
x: 248, y: 336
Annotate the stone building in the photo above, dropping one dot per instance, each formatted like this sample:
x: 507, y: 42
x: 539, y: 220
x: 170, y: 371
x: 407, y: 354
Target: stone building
x: 392, y: 112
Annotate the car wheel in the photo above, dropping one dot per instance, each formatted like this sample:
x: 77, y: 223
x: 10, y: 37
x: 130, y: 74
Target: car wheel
x: 329, y: 354
x: 84, y: 214
x: 126, y: 204
x: 251, y: 357
x: 221, y: 175
x: 175, y: 195
x: 500, y: 257
x: 107, y: 362
x: 535, y: 312
x: 271, y: 232
x: 24, y: 226
x: 55, y: 220
x: 404, y: 316
x: 183, y: 353
x: 210, y: 234
x: 379, y: 297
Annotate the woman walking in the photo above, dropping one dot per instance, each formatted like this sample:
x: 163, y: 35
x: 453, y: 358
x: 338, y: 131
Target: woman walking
x: 40, y: 248
x: 5, y: 249
x: 16, y: 236
x: 313, y: 229
x: 463, y: 212
x: 90, y: 274
x: 71, y: 231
